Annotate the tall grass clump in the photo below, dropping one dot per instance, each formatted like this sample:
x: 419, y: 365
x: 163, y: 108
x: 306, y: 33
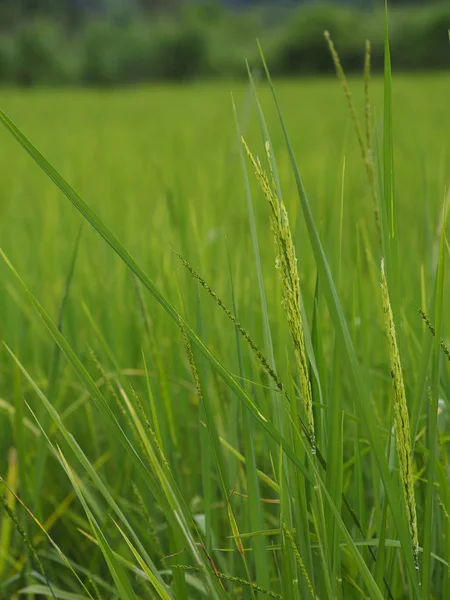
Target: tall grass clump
x: 176, y: 435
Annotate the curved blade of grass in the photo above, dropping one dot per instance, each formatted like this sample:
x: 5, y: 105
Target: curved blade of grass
x: 167, y: 497
x: 57, y: 352
x: 264, y: 478
x: 59, y: 552
x: 89, y: 575
x: 78, y: 452
x: 115, y: 568
x: 162, y: 592
x: 41, y: 453
x: 43, y: 590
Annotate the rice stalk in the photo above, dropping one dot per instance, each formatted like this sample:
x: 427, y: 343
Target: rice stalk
x: 286, y: 264
x: 253, y: 586
x: 149, y: 428
x: 233, y: 579
x: 94, y: 588
x: 364, y: 144
x: 430, y: 326
x: 299, y: 559
x: 279, y: 384
x: 263, y: 360
x: 348, y: 96
x: 401, y: 419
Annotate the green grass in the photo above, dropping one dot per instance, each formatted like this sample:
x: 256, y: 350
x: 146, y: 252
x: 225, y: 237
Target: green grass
x: 156, y: 452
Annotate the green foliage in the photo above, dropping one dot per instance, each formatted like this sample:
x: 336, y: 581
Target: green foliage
x: 136, y: 52
x: 179, y: 53
x: 43, y: 55
x: 301, y: 49
x: 102, y: 50
x: 8, y: 59
x: 427, y: 39
x: 163, y: 403
x: 419, y: 38
x: 207, y: 40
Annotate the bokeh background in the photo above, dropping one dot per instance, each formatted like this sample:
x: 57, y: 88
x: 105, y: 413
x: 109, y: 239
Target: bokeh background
x: 114, y: 42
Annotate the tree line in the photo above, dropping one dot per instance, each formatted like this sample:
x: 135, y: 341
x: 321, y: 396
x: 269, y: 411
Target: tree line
x: 114, y: 42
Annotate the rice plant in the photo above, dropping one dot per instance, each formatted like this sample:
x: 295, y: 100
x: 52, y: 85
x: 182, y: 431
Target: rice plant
x: 224, y: 404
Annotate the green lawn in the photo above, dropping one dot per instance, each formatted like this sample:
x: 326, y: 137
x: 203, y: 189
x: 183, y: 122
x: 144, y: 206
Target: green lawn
x: 161, y: 168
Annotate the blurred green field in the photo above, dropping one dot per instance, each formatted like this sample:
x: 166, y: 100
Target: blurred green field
x: 161, y: 167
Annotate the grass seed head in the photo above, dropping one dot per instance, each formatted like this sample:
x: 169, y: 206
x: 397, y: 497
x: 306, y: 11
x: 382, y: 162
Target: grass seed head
x: 401, y: 417
x: 286, y: 265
